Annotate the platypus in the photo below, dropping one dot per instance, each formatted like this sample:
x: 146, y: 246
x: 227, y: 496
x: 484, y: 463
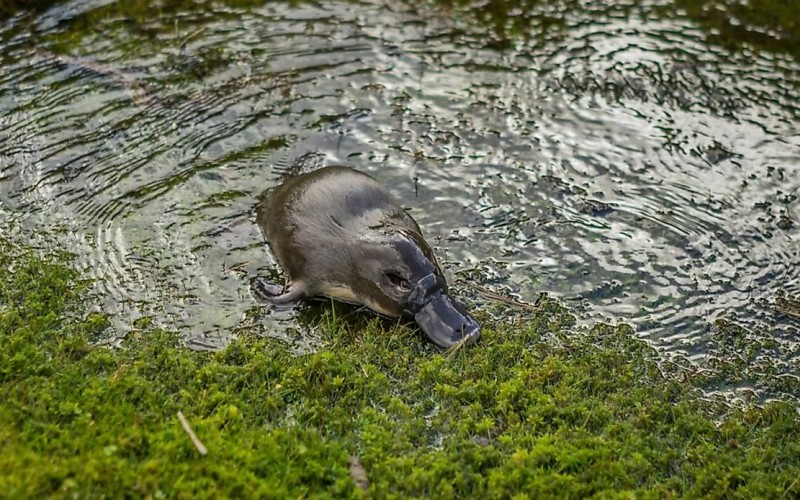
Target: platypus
x: 338, y: 233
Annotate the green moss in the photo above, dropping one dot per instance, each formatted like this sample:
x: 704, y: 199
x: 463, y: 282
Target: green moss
x: 533, y: 410
x: 753, y: 359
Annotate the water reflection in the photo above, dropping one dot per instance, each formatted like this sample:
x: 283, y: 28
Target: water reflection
x: 612, y: 156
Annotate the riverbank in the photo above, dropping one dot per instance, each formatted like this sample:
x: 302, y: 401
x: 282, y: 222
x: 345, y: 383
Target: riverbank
x: 532, y: 409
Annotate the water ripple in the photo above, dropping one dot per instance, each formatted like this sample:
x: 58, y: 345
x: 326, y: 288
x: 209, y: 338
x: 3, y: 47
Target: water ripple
x: 615, y: 158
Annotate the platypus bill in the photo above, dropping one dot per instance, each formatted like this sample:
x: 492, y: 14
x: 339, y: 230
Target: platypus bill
x: 337, y: 232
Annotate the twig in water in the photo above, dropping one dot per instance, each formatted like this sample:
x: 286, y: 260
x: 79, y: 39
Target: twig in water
x: 501, y: 298
x: 189, y: 37
x: 195, y: 440
x: 137, y: 93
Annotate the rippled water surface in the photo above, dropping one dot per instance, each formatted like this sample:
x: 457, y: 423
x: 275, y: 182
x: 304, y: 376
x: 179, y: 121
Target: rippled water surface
x: 610, y: 156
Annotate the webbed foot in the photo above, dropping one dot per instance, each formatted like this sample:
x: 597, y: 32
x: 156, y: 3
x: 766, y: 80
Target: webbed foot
x: 270, y: 293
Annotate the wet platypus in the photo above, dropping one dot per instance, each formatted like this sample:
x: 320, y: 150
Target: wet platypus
x: 337, y: 232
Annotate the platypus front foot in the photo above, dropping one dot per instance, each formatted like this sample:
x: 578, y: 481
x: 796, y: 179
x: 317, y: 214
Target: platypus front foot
x: 270, y: 293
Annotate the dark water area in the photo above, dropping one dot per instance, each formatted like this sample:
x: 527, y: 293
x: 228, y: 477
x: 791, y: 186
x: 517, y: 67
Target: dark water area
x: 640, y: 161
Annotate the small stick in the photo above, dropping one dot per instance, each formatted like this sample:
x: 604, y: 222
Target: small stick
x: 189, y: 37
x: 358, y: 473
x: 501, y: 298
x: 788, y: 312
x: 454, y: 349
x: 136, y: 92
x: 195, y: 440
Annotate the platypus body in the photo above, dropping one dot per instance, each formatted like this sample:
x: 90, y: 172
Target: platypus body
x: 338, y: 233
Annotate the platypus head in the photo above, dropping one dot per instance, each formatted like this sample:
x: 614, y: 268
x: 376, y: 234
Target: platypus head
x: 405, y: 277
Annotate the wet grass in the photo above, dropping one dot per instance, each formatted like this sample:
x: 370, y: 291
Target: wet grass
x: 533, y: 410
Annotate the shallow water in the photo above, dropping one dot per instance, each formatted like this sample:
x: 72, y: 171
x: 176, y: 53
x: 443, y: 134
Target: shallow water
x: 615, y: 158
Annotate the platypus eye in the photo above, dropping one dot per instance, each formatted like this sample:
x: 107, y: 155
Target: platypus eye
x: 398, y: 280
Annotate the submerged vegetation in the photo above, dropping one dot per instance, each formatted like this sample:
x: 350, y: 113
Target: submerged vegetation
x: 770, y: 25
x: 533, y: 409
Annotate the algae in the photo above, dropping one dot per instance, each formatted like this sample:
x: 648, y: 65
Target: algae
x: 769, y: 25
x: 534, y: 410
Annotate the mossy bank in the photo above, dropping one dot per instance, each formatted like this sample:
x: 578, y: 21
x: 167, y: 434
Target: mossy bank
x: 529, y: 412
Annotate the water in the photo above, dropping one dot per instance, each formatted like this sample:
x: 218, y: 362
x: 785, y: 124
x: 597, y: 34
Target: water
x: 611, y: 156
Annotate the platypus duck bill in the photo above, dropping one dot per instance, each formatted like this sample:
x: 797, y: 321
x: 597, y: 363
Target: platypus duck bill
x: 444, y: 321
